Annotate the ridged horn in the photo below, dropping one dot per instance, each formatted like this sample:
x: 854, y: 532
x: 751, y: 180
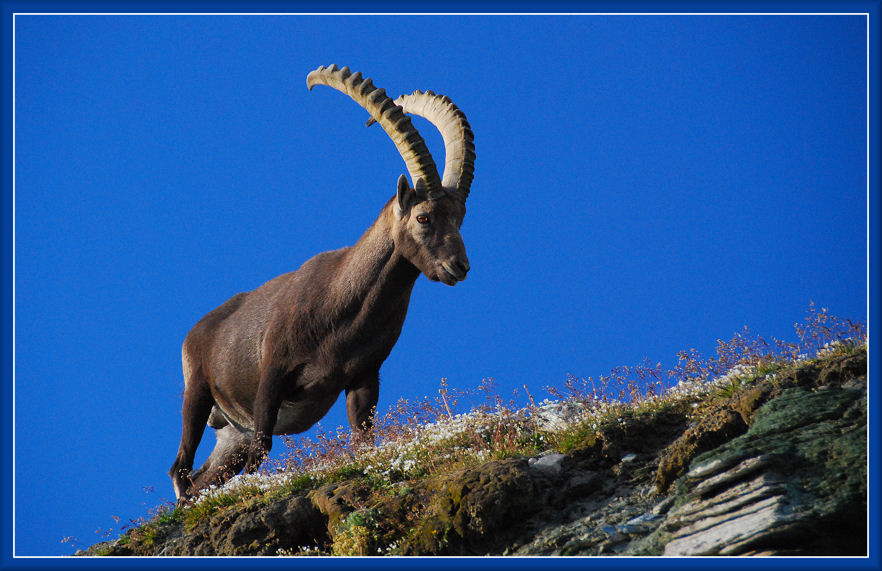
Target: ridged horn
x: 391, y: 117
x: 459, y: 141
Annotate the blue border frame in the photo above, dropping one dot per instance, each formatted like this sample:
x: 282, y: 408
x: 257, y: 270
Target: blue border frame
x: 10, y: 7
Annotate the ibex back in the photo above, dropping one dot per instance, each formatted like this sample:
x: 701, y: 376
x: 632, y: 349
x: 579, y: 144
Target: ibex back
x: 274, y: 360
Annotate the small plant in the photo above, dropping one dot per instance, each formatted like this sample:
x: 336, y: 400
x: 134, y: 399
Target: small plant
x: 356, y: 535
x: 302, y: 551
x: 207, y: 505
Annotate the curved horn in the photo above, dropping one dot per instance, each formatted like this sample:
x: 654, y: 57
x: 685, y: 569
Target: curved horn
x: 459, y: 141
x: 391, y: 117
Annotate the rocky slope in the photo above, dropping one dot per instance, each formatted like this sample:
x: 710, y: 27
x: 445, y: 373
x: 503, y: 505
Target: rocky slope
x: 777, y: 466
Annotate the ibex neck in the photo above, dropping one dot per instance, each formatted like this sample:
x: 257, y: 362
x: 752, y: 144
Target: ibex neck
x: 373, y: 272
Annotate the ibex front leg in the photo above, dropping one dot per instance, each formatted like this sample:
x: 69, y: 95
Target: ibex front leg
x: 361, y: 403
x: 266, y: 411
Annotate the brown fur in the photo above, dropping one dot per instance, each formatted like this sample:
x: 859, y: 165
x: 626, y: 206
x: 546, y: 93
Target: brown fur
x: 274, y: 360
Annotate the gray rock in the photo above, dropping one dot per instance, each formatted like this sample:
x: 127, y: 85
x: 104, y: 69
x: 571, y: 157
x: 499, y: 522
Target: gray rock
x: 713, y: 467
x: 550, y: 463
x: 727, y: 501
x: 663, y: 506
x: 557, y: 415
x: 613, y: 534
x: 739, y: 472
x: 641, y: 524
x: 582, y: 483
x: 712, y: 535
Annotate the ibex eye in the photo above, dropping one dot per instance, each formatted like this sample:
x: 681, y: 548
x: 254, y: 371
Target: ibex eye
x: 422, y: 219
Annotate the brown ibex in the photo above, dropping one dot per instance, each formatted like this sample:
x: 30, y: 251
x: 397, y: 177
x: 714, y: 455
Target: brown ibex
x: 274, y: 360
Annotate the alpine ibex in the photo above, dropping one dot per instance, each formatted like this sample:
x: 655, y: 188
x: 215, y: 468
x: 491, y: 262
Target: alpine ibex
x: 274, y: 360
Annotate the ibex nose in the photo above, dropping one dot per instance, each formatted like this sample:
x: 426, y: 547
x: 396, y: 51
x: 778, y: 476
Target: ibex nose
x: 459, y: 268
x: 455, y: 269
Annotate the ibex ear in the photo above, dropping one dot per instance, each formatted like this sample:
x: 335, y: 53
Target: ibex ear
x: 405, y: 195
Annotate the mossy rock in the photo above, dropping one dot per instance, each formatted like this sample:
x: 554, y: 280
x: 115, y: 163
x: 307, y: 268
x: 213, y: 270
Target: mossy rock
x: 714, y: 428
x: 474, y: 507
x: 818, y: 439
x: 335, y: 501
x: 732, y: 417
x: 820, y: 433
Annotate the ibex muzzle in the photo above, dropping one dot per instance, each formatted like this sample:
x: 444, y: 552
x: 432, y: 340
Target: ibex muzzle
x: 274, y: 360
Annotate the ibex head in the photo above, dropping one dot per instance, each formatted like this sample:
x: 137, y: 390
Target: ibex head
x: 428, y: 214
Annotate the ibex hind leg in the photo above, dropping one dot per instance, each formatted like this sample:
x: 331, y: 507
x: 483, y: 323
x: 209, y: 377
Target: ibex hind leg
x: 197, y: 406
x: 226, y: 460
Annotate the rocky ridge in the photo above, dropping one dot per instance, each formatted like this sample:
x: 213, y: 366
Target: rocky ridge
x: 776, y: 466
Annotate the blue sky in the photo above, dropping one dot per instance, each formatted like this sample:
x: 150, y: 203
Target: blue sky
x: 643, y: 184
